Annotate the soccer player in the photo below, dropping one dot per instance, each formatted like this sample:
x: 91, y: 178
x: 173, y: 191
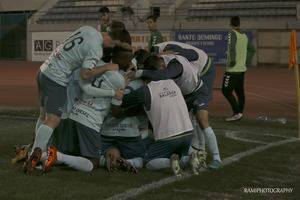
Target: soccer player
x: 82, y: 49
x: 167, y: 111
x: 185, y: 67
x: 240, y: 53
x: 198, y: 102
x: 168, y: 114
x: 155, y: 36
x: 106, y: 19
x: 86, y: 119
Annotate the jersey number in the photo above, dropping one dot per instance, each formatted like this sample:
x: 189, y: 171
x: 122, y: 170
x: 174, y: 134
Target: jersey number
x: 69, y: 45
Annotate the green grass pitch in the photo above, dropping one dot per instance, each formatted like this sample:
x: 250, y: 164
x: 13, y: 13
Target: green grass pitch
x: 277, y: 167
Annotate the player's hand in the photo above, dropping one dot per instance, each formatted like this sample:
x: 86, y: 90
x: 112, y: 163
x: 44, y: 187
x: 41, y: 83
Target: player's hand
x: 131, y: 67
x: 127, y: 80
x: 112, y: 67
x: 119, y: 93
x: 131, y: 75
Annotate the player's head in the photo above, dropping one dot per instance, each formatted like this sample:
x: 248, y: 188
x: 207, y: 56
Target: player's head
x: 104, y: 14
x: 154, y: 63
x: 114, y: 37
x: 122, y: 57
x: 235, y: 21
x: 117, y: 25
x: 141, y: 56
x: 151, y: 22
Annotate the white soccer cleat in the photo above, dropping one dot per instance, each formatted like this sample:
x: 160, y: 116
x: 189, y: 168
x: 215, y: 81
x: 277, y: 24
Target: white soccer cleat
x: 194, y: 161
x: 234, y: 117
x: 175, y: 166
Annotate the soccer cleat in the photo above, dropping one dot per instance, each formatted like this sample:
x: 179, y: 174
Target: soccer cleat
x: 21, y: 153
x: 195, y: 163
x: 109, y: 163
x: 234, y: 117
x: 126, y: 166
x: 202, y: 159
x: 215, y: 164
x: 175, y: 166
x: 32, y: 161
x: 51, y: 159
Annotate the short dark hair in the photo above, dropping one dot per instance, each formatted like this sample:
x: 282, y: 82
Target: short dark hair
x: 153, y: 17
x: 120, y: 56
x: 141, y: 56
x: 117, y: 25
x: 235, y: 21
x: 104, y: 10
x: 152, y: 62
x: 122, y: 35
x: 117, y: 51
x: 107, y: 54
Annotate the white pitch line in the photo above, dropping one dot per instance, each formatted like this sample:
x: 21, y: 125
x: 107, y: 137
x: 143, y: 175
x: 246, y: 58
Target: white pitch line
x: 137, y: 191
x: 231, y: 135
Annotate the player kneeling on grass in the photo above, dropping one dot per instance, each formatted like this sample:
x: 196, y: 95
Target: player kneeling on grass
x: 198, y: 100
x: 167, y: 111
x: 86, y: 119
x: 124, y: 133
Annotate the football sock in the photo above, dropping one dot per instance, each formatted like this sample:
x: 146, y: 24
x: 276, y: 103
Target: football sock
x: 212, y: 144
x: 136, y: 162
x: 158, y: 163
x: 38, y: 124
x: 43, y: 134
x: 78, y: 163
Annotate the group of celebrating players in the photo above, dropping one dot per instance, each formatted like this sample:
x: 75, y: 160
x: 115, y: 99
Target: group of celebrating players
x: 104, y: 106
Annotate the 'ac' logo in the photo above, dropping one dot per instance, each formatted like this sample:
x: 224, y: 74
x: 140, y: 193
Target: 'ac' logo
x: 43, y: 45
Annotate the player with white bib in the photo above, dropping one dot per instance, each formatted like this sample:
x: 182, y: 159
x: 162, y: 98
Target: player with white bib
x: 196, y: 99
x: 166, y: 109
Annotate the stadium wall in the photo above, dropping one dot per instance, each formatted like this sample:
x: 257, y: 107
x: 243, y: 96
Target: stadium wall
x: 270, y: 35
x: 20, y: 5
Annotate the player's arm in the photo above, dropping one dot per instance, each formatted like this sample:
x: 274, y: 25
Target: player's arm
x: 92, y: 52
x: 173, y: 71
x: 232, y: 43
x: 190, y: 54
x: 87, y: 73
x: 89, y: 89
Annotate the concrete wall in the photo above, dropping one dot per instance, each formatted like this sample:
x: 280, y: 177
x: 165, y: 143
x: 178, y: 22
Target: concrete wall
x: 20, y: 5
x: 273, y: 46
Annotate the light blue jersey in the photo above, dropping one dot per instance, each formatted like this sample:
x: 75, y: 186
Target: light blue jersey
x: 91, y: 111
x: 82, y: 49
x: 129, y: 126
x: 74, y: 92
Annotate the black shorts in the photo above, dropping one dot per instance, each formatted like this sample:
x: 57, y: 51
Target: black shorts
x: 52, y: 96
x: 130, y: 147
x: 200, y: 99
x: 73, y: 138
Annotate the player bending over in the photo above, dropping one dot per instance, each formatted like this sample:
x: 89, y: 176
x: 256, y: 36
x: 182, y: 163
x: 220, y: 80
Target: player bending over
x: 82, y: 49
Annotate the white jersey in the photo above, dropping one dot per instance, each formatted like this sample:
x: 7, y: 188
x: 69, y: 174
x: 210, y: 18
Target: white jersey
x: 198, y: 64
x: 91, y: 111
x: 168, y: 114
x: 82, y: 49
x: 189, y: 79
x: 74, y: 93
x: 128, y: 126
